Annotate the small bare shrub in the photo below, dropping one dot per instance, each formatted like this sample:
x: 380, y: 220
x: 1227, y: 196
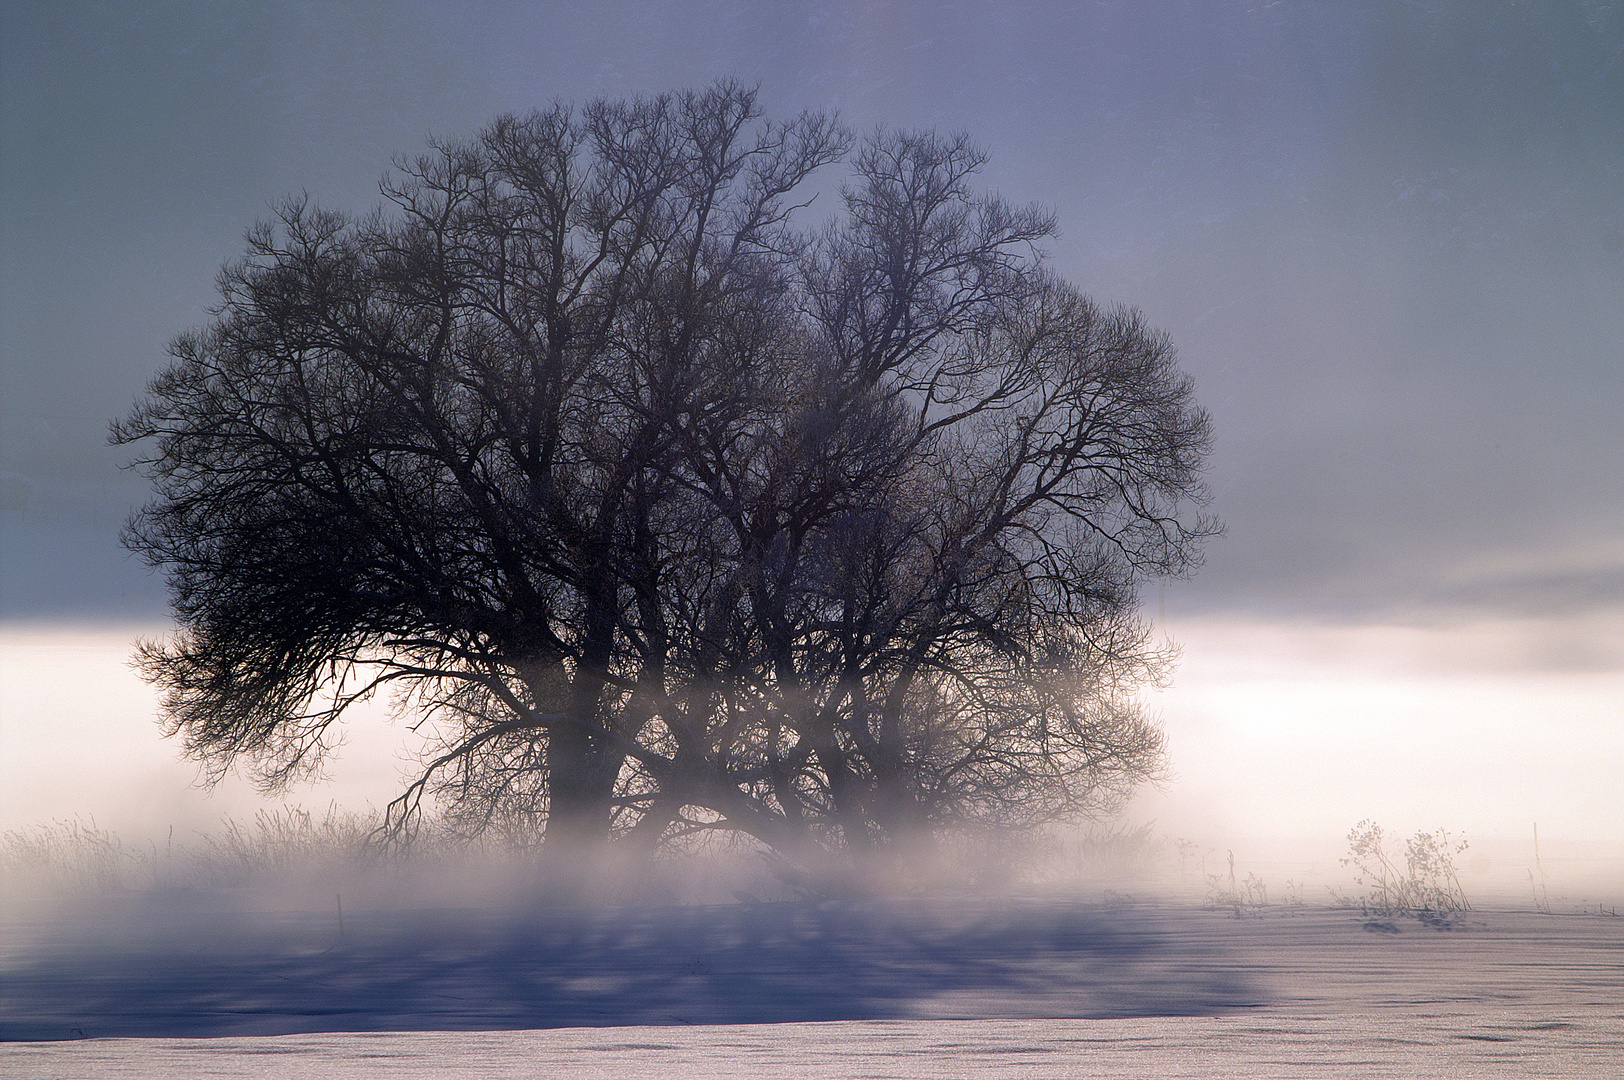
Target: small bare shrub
x: 1250, y: 894
x: 1426, y: 887
x: 1188, y: 850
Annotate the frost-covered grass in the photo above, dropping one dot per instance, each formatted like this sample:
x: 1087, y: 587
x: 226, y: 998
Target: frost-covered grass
x: 282, y: 849
x: 290, y: 858
x: 278, y: 855
x: 75, y: 857
x: 79, y: 857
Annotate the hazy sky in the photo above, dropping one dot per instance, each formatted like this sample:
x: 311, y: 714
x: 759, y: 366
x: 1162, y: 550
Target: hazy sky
x: 1387, y: 238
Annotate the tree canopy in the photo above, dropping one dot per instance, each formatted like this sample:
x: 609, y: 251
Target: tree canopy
x: 666, y: 505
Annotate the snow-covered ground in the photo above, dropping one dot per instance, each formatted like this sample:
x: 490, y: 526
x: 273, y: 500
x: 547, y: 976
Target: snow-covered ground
x: 1367, y: 1046
x: 942, y: 987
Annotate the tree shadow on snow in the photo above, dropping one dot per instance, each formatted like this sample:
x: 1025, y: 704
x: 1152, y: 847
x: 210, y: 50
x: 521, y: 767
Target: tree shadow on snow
x: 170, y: 971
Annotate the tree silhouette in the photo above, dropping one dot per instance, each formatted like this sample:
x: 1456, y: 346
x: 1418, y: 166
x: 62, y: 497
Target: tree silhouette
x: 663, y: 512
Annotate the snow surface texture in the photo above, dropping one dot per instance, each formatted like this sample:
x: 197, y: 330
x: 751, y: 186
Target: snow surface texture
x: 1401, y: 1046
x: 961, y: 987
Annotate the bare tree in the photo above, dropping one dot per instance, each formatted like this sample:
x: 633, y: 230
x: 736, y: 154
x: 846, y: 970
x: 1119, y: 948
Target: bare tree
x: 929, y: 539
x: 662, y: 513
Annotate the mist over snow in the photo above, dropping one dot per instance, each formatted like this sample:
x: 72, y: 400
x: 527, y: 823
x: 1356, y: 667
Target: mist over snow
x: 1387, y: 240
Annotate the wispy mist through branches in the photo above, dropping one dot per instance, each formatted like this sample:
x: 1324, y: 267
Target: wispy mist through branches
x: 664, y: 512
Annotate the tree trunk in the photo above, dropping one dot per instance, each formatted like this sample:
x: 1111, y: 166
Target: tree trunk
x: 579, y: 794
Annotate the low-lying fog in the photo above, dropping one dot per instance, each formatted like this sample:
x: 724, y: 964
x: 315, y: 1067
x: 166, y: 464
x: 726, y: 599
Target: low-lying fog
x: 1212, y: 931
x: 1282, y: 739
